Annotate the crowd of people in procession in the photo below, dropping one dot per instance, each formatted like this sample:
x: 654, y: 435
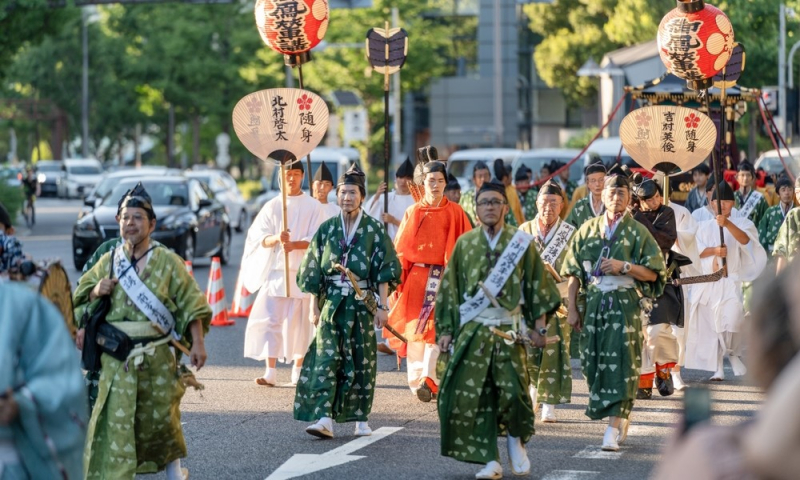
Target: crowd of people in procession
x: 488, y: 294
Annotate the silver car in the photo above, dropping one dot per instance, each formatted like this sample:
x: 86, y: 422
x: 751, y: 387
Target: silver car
x: 227, y: 193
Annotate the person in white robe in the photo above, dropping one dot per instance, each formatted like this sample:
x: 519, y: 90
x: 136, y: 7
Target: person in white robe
x: 709, y: 212
x: 321, y: 188
x: 399, y: 199
x: 278, y: 326
x: 685, y: 245
x: 718, y: 307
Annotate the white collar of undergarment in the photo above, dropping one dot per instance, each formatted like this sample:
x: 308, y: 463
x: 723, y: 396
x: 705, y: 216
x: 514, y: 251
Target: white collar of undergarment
x: 591, y: 205
x: 492, y: 241
x: 550, y: 233
x: 352, y: 232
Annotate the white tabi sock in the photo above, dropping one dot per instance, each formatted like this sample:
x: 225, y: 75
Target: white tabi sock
x: 174, y: 470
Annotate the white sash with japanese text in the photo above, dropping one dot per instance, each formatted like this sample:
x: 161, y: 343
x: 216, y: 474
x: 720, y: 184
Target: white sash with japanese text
x: 750, y: 204
x: 498, y: 277
x: 558, y: 243
x: 141, y: 296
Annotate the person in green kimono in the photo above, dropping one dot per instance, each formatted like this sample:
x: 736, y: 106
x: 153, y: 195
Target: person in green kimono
x: 549, y: 368
x: 43, y: 411
x: 135, y: 425
x: 788, y: 238
x: 337, y: 380
x: 616, y: 261
x: 483, y: 393
x: 562, y: 179
x: 773, y: 219
x: 749, y: 201
x: 527, y: 195
x: 590, y: 206
x: 480, y: 175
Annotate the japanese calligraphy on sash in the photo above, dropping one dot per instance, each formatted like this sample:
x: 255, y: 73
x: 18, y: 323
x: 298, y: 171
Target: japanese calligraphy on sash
x: 558, y: 243
x: 141, y: 296
x: 434, y: 278
x: 498, y: 277
x: 750, y: 204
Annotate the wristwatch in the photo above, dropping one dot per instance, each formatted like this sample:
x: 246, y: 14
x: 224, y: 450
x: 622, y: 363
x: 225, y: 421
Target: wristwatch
x: 542, y: 331
x: 385, y: 308
x: 626, y: 267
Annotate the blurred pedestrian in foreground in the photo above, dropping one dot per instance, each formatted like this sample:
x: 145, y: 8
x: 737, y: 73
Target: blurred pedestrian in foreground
x: 42, y: 396
x: 766, y: 446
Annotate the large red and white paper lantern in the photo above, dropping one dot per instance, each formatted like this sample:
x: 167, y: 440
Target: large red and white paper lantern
x: 292, y: 27
x: 695, y: 41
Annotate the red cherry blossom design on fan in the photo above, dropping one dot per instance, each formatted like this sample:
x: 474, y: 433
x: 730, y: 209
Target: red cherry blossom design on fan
x: 692, y: 121
x: 642, y: 119
x: 305, y: 102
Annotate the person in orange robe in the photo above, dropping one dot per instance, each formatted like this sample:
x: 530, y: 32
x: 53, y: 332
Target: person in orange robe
x: 424, y: 242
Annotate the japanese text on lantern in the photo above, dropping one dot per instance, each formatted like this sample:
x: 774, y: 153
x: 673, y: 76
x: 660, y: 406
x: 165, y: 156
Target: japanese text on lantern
x: 278, y: 117
x: 683, y: 45
x: 288, y: 18
x: 667, y: 132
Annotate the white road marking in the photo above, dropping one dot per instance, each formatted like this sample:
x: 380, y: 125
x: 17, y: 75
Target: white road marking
x: 596, y: 453
x: 570, y: 475
x: 46, y: 238
x: 304, y: 463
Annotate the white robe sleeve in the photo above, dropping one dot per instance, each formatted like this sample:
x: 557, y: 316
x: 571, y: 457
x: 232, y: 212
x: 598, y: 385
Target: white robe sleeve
x: 256, y: 258
x: 746, y: 262
x: 686, y: 243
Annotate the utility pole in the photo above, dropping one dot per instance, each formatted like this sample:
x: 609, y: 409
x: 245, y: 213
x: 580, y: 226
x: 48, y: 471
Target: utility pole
x: 782, y: 100
x: 498, y: 76
x: 85, y: 83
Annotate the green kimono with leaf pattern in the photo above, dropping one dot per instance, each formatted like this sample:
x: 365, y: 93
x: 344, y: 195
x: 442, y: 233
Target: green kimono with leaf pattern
x: 467, y: 203
x: 582, y: 211
x: 528, y: 201
x: 484, y: 390
x: 788, y: 238
x: 136, y: 421
x: 549, y: 367
x: 611, y: 339
x: 770, y: 226
x: 758, y: 212
x: 338, y: 375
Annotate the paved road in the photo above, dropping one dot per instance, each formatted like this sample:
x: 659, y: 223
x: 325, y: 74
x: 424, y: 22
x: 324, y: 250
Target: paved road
x: 238, y: 430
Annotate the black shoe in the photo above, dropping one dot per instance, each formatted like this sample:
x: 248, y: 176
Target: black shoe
x: 664, y: 384
x: 424, y: 393
x: 644, y: 394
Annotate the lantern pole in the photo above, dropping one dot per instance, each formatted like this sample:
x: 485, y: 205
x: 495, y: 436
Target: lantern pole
x: 717, y: 179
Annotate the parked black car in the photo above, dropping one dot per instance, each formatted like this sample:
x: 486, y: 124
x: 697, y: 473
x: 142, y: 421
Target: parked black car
x: 190, y: 221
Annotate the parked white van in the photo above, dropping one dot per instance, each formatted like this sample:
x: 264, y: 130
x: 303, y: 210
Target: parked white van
x: 338, y: 160
x: 80, y: 177
x: 461, y: 163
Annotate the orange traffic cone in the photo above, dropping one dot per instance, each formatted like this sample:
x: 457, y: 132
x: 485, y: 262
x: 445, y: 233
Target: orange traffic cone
x: 189, y: 269
x: 215, y: 294
x: 242, y: 301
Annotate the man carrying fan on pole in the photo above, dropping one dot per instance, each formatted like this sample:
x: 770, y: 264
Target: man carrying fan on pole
x: 337, y: 380
x: 494, y: 298
x: 424, y: 243
x: 154, y: 304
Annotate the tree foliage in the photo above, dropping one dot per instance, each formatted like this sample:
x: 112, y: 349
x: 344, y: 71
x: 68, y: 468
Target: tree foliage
x: 576, y: 30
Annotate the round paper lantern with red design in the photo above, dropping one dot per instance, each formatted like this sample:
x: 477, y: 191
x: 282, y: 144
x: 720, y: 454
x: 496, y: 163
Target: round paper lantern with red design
x: 292, y: 27
x: 695, y: 41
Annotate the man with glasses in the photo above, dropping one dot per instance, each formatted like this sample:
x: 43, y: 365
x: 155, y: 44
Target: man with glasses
x: 616, y: 261
x: 424, y: 242
x: 495, y: 282
x: 591, y: 206
x: 551, y: 371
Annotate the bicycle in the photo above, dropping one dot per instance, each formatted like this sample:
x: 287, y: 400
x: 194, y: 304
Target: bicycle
x: 30, y: 211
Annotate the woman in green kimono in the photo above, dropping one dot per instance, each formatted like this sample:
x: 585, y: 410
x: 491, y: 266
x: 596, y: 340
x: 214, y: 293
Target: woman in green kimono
x: 615, y: 260
x: 337, y: 380
x: 135, y: 425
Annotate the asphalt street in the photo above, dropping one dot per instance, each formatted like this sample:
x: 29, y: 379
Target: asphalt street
x: 236, y: 429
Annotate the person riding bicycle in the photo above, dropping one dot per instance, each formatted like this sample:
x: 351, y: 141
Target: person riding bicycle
x: 30, y: 185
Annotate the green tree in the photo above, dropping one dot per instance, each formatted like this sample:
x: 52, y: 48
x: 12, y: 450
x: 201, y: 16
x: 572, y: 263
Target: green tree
x: 575, y: 30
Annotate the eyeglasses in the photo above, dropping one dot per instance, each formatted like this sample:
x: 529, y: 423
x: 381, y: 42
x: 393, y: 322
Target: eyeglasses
x: 491, y: 203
